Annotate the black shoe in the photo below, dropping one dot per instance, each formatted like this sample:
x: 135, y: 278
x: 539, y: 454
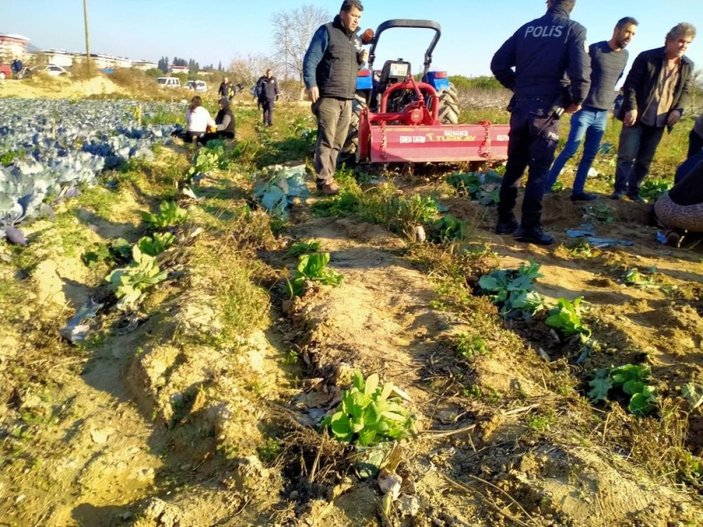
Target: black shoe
x: 636, y: 198
x: 583, y: 196
x: 533, y: 235
x: 508, y: 226
x: 616, y: 195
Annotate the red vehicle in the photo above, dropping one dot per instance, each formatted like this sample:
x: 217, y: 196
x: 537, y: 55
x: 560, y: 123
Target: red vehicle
x: 403, y: 120
x: 5, y: 72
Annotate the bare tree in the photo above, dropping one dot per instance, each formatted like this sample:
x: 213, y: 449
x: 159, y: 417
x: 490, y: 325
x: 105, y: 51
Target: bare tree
x: 292, y: 32
x: 247, y: 69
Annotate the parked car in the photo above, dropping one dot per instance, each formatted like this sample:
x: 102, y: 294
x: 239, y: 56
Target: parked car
x: 5, y: 72
x: 169, y: 82
x: 53, y: 70
x: 199, y: 86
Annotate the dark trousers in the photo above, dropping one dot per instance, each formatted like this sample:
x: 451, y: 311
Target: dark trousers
x: 533, y: 141
x: 695, y: 144
x: 215, y: 135
x: 636, y: 150
x: 267, y: 105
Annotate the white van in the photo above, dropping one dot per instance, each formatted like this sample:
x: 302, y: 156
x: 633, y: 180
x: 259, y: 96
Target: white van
x: 169, y: 82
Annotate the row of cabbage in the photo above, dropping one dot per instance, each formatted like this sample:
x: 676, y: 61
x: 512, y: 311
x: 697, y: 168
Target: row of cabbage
x: 47, y: 147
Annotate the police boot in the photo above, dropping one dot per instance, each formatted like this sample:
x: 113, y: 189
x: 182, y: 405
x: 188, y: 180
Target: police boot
x: 506, y: 224
x: 533, y: 234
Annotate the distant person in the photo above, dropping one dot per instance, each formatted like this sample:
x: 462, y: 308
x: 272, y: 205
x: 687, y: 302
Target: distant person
x: 695, y: 138
x: 533, y: 63
x: 267, y: 94
x: 681, y: 208
x: 224, y: 123
x: 226, y: 89
x: 617, y: 102
x: 608, y: 60
x: 656, y: 91
x: 198, y: 121
x: 329, y: 71
x: 16, y: 67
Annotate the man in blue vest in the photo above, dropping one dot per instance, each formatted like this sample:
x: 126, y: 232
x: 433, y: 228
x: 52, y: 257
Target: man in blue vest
x: 329, y: 71
x: 533, y: 63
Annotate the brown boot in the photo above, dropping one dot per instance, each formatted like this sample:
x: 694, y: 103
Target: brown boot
x: 328, y: 187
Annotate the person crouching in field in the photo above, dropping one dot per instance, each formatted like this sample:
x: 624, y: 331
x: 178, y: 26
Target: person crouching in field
x: 681, y: 209
x: 224, y: 121
x: 197, y: 121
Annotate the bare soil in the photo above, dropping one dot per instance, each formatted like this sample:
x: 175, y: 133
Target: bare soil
x: 161, y: 421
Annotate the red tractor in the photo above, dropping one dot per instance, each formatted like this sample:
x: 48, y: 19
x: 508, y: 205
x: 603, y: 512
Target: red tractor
x: 403, y: 120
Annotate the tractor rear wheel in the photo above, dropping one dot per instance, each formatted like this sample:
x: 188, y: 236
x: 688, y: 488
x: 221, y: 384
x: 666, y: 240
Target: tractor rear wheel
x: 449, y: 108
x: 349, y: 151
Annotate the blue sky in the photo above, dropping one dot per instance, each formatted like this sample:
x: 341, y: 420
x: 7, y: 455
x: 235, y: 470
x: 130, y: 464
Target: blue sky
x: 211, y: 31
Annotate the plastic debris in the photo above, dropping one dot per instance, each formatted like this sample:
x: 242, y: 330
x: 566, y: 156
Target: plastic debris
x: 77, y: 328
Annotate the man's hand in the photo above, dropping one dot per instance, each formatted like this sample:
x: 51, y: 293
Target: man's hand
x: 364, y: 55
x: 313, y: 94
x: 572, y: 108
x: 673, y: 118
x: 630, y: 118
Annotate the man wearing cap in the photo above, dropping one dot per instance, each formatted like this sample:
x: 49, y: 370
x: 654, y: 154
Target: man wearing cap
x: 533, y: 63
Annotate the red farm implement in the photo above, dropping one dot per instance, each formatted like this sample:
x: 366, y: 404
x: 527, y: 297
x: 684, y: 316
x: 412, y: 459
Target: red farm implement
x: 404, y: 120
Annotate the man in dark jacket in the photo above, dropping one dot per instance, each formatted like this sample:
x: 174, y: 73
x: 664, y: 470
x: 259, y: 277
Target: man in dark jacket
x: 532, y: 64
x: 655, y: 92
x: 267, y: 94
x: 329, y: 71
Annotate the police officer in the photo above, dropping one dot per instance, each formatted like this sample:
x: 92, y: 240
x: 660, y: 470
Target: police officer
x: 532, y: 64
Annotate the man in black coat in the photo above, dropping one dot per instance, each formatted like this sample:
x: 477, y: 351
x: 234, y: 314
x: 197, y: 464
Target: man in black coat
x: 533, y: 63
x: 267, y: 94
x: 655, y: 92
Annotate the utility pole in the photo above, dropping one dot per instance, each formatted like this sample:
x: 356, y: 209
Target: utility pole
x: 87, y: 35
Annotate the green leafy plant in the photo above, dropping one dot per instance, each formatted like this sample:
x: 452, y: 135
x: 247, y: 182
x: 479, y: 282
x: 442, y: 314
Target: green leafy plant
x: 169, y: 215
x: 448, y: 228
x: 298, y: 248
x: 118, y: 251
x: 369, y: 413
x: 566, y: 317
x: 652, y: 189
x: 211, y: 157
x: 599, y: 213
x: 480, y: 186
x: 156, y: 244
x: 313, y: 267
x: 470, y: 346
x: 583, y: 249
x: 631, y: 380
x: 637, y: 278
x: 513, y: 290
x: 128, y: 283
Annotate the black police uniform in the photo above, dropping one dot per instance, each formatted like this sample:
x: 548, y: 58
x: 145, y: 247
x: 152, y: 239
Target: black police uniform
x: 541, y: 53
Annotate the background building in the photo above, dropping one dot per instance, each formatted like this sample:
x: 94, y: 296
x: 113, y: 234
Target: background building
x: 12, y: 47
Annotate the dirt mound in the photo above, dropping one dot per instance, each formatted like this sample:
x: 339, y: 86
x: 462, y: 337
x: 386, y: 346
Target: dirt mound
x: 42, y: 87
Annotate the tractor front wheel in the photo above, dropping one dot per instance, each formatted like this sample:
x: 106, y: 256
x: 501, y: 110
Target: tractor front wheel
x: 449, y: 108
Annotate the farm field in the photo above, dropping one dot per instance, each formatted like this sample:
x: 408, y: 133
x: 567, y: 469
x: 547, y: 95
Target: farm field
x: 178, y: 350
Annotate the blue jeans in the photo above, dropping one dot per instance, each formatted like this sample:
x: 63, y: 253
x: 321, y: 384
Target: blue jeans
x: 588, y: 122
x: 636, y: 150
